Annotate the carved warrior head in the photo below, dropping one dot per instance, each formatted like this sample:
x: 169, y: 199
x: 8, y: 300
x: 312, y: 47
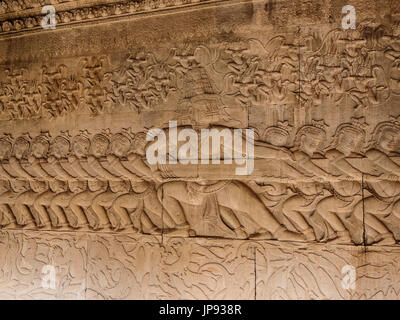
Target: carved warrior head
x: 99, y: 145
x: 40, y: 146
x: 60, y: 147
x: 81, y: 145
x: 21, y: 147
x: 310, y: 138
x: 386, y: 136
x: 350, y: 137
x: 120, y: 144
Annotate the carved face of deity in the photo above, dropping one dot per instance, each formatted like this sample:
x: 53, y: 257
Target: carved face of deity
x: 100, y: 145
x: 348, y: 141
x: 60, y: 147
x: 388, y: 141
x: 40, y: 148
x: 81, y: 146
x: 5, y: 149
x: 21, y: 147
x: 120, y: 145
x: 311, y: 142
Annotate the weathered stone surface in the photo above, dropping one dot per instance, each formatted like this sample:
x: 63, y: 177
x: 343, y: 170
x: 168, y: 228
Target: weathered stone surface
x: 79, y: 193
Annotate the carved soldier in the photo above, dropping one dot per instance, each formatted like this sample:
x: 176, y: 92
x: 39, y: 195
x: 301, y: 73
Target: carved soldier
x: 99, y: 147
x: 60, y: 149
x: 80, y: 151
x: 309, y: 140
x: 385, y: 190
x: 39, y: 150
x: 346, y: 191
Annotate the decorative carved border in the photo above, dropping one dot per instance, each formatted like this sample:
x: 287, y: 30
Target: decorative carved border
x: 11, y: 26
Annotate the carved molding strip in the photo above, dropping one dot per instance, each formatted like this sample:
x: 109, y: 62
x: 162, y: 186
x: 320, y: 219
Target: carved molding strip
x: 94, y: 13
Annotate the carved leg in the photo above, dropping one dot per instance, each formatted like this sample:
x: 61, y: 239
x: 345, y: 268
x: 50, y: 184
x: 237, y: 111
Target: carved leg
x: 150, y: 227
x: 100, y: 203
x: 56, y: 205
x: 119, y: 216
x: 155, y: 210
x: 230, y: 219
x: 23, y: 215
x: 326, y: 208
x: 173, y: 207
x: 363, y: 213
x: 6, y: 215
x: 79, y: 214
x: 240, y: 198
x: 39, y: 204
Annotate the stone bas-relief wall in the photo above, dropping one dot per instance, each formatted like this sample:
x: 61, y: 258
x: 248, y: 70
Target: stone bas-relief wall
x: 77, y: 102
x: 115, y: 266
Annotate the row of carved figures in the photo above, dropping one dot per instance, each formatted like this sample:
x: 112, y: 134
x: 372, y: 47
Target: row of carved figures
x: 84, y: 154
x: 141, y: 206
x: 103, y: 188
x: 349, y: 68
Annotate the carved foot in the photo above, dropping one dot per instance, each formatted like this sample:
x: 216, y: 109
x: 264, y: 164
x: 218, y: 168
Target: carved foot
x: 342, y: 237
x: 309, y: 234
x: 386, y: 239
x: 154, y: 231
x: 182, y: 231
x: 128, y: 230
x: 286, y: 235
x: 240, y: 233
x: 261, y: 236
x: 29, y: 225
